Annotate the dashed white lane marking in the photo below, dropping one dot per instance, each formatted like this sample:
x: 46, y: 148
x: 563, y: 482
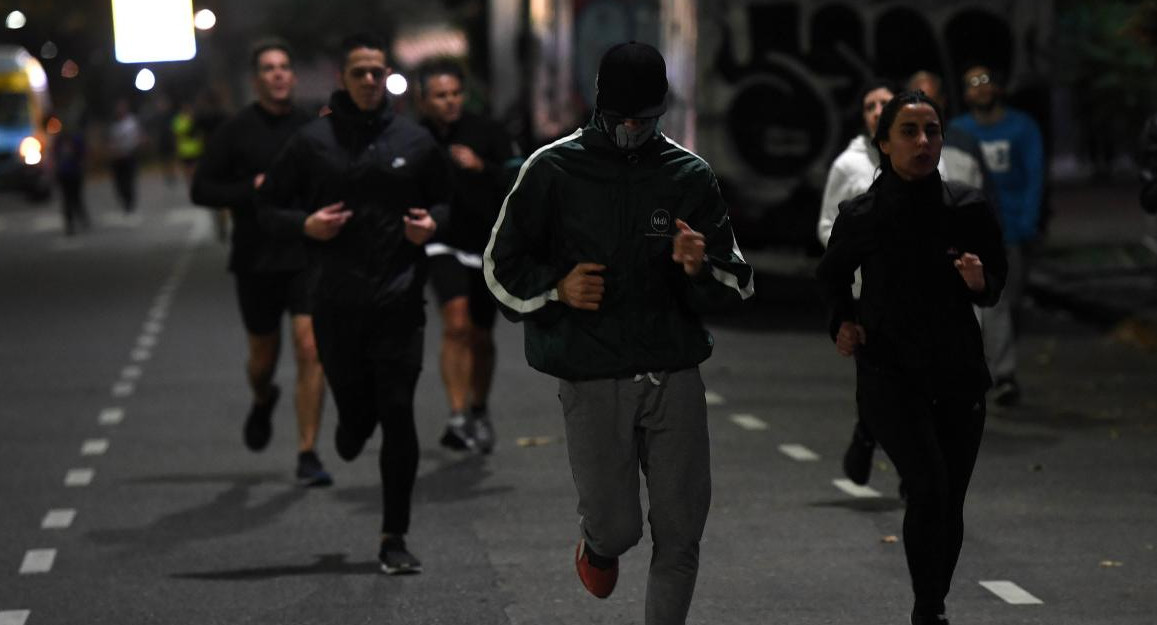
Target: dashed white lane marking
x: 14, y: 617
x: 140, y: 354
x: 79, y: 477
x: 37, y: 561
x: 122, y: 389
x: 1011, y: 593
x: 94, y: 447
x: 854, y: 489
x: 131, y: 372
x: 146, y: 340
x: 46, y: 223
x: 158, y: 313
x: 713, y: 398
x: 58, y: 519
x: 111, y: 416
x: 799, y: 452
x: 748, y: 422
x: 153, y: 327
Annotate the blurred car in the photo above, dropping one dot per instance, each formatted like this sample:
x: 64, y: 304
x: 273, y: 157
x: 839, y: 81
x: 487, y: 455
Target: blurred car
x: 24, y: 105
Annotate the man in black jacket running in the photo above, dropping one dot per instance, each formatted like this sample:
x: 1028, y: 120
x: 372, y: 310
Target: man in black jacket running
x: 271, y: 276
x: 372, y: 188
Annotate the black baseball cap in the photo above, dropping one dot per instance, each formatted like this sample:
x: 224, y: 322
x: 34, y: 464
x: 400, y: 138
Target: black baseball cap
x: 632, y: 81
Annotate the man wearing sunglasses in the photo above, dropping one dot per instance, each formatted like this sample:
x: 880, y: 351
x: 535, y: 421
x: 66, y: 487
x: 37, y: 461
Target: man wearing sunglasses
x: 1011, y: 143
x: 367, y: 189
x: 611, y: 245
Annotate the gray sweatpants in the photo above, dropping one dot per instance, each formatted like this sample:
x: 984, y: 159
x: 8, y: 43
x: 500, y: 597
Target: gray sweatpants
x: 996, y: 323
x: 614, y: 428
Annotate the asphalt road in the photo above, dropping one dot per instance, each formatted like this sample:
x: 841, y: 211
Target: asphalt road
x: 127, y: 497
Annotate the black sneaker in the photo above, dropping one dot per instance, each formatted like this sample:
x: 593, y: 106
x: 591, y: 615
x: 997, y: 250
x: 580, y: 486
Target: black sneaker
x: 858, y: 457
x: 482, y: 430
x: 349, y: 445
x: 1006, y: 392
x: 396, y: 559
x: 457, y: 435
x: 259, y: 423
x: 310, y: 472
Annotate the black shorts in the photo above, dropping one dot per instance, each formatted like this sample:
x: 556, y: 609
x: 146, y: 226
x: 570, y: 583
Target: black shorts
x: 265, y: 297
x: 450, y: 278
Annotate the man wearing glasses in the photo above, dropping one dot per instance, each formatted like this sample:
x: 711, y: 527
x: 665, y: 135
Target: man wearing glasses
x: 1011, y: 144
x: 367, y: 189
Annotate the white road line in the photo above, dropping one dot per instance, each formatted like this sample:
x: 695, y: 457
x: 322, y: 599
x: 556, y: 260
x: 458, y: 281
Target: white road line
x: 713, y: 398
x: 140, y: 354
x: 14, y: 617
x: 158, y: 313
x: 748, y: 422
x: 111, y: 416
x: 153, y: 327
x: 79, y: 477
x: 854, y: 489
x: 46, y: 223
x: 146, y: 340
x: 122, y: 389
x: 94, y: 447
x: 799, y: 452
x: 131, y: 372
x: 37, y: 561
x: 1011, y: 593
x: 58, y: 519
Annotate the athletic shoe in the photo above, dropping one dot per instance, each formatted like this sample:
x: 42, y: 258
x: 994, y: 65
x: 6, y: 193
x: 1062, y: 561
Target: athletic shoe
x: 458, y: 435
x: 933, y: 619
x: 858, y: 457
x: 483, y: 430
x: 310, y: 472
x: 259, y: 423
x: 396, y: 559
x: 1006, y: 392
x: 349, y: 445
x: 598, y: 574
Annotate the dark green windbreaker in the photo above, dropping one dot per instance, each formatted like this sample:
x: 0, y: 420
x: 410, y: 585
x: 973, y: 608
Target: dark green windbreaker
x: 581, y: 199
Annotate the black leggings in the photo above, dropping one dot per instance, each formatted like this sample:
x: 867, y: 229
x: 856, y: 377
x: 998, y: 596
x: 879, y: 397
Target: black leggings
x: 933, y: 444
x: 372, y: 369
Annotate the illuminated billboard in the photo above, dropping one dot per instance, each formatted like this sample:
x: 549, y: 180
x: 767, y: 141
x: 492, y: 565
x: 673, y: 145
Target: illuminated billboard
x: 149, y: 31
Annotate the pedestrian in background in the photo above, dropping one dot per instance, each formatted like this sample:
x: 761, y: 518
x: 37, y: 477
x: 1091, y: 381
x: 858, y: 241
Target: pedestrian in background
x: 368, y: 189
x: 125, y: 139
x: 612, y: 243
x: 69, y: 151
x: 271, y: 275
x: 1013, y: 152
x: 479, y: 150
x: 929, y: 251
x: 851, y: 174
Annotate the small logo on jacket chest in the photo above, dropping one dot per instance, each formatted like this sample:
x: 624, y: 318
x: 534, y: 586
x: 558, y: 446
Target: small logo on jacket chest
x: 661, y: 221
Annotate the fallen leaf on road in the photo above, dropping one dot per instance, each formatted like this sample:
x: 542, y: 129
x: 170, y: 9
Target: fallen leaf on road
x: 1110, y: 564
x: 536, y: 441
x: 889, y: 539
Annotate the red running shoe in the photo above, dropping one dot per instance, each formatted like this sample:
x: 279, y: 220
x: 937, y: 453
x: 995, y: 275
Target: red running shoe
x: 600, y: 582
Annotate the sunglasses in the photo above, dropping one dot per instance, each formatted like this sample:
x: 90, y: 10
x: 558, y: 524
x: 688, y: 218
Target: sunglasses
x: 360, y: 72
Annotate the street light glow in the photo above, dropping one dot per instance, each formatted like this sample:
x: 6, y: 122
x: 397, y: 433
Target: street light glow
x: 204, y: 20
x: 15, y: 20
x: 145, y: 80
x: 396, y: 84
x: 149, y: 31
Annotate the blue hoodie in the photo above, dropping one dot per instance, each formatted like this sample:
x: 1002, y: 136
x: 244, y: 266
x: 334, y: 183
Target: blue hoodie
x: 1014, y: 155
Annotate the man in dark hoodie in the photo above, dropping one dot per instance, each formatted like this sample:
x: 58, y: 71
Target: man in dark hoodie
x: 367, y: 189
x: 611, y: 245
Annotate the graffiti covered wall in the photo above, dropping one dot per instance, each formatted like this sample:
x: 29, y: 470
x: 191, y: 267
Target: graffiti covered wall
x: 778, y: 82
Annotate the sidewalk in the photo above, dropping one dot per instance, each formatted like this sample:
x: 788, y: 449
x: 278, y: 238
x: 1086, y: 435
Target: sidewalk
x: 1099, y: 260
